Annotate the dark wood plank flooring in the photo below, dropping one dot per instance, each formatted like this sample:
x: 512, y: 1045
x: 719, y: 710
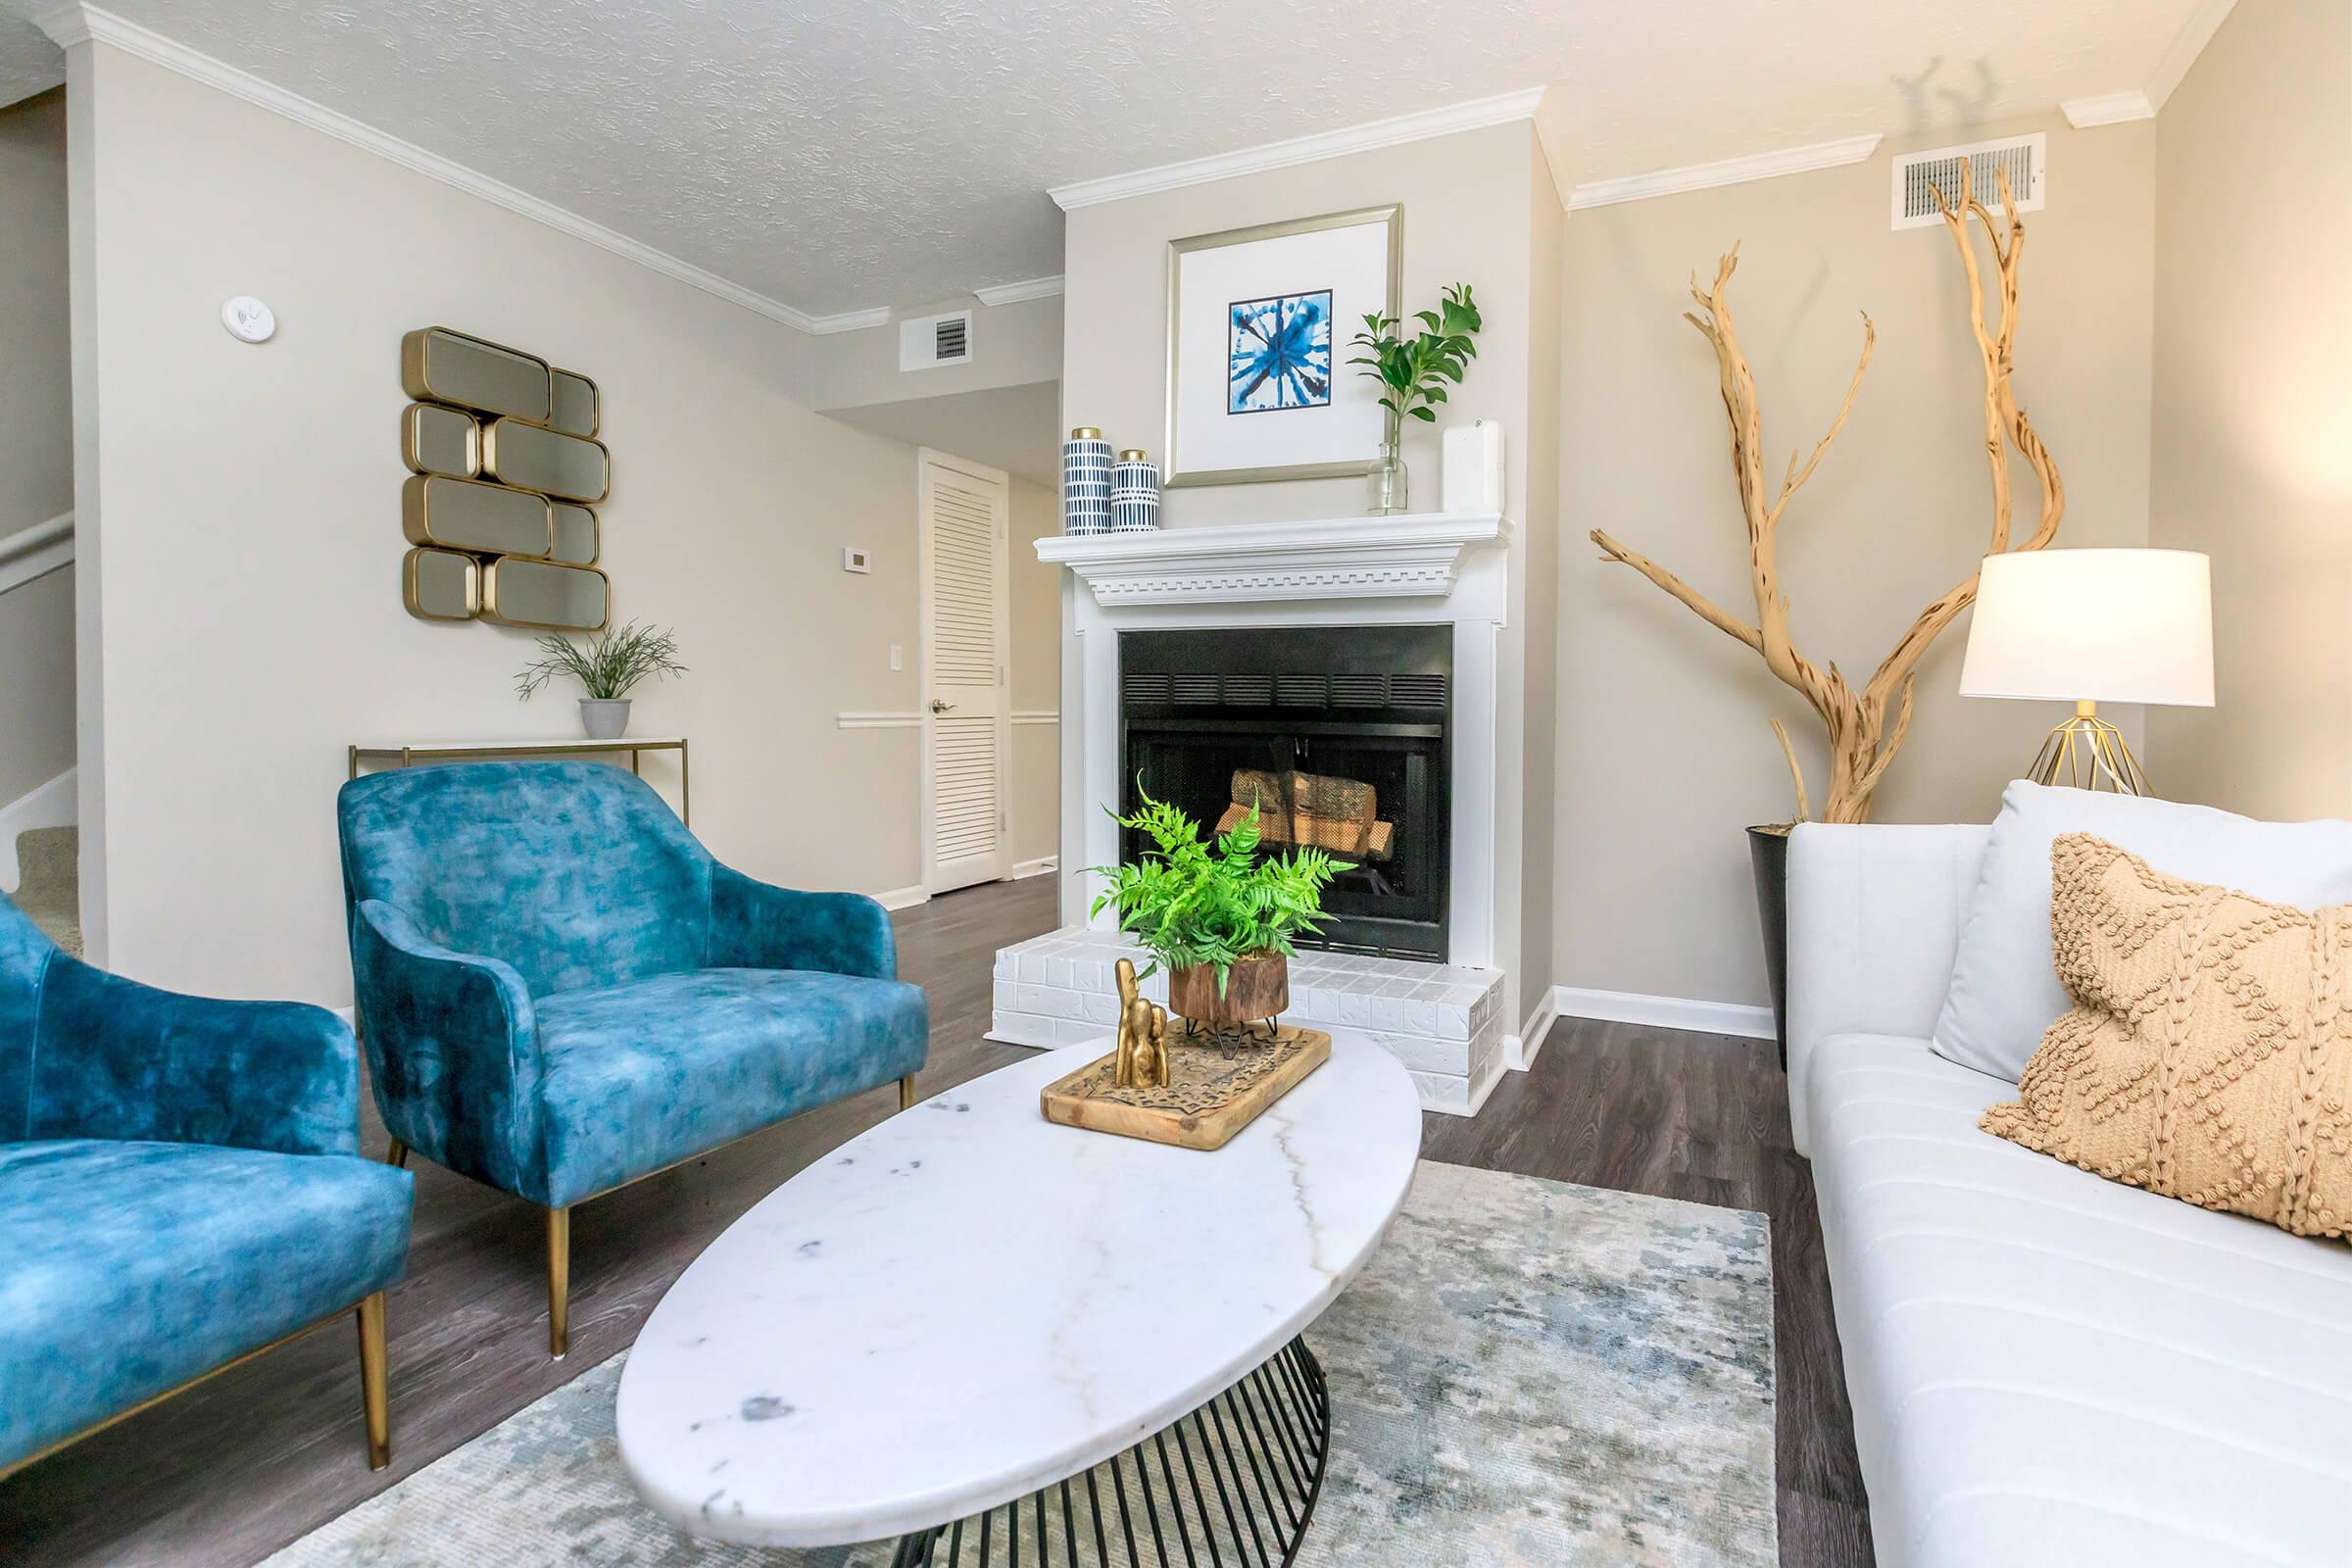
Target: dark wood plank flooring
x: 231, y: 1471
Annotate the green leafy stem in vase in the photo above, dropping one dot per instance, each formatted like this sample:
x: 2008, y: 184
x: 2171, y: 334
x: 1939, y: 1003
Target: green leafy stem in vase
x: 1413, y: 371
x: 1191, y: 903
x: 611, y: 664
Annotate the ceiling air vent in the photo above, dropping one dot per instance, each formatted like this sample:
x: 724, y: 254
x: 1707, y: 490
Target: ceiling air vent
x: 1979, y: 165
x: 933, y: 341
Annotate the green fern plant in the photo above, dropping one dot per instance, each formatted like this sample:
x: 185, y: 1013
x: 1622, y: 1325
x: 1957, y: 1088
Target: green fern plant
x: 1191, y: 903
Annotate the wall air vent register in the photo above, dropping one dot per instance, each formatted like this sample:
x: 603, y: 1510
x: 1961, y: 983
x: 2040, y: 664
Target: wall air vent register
x: 1919, y: 176
x: 932, y: 342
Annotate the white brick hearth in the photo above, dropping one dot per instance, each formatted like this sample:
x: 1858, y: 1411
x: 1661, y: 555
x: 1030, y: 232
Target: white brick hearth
x: 1443, y: 1022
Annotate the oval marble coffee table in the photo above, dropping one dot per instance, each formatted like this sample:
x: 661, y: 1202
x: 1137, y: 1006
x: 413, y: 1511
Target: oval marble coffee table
x: 940, y: 1330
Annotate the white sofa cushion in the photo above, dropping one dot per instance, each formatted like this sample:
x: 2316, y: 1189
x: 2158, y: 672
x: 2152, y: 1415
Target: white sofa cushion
x: 2004, y: 991
x: 2048, y: 1367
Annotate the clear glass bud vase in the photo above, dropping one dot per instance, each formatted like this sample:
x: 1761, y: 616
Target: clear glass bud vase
x: 1388, y: 479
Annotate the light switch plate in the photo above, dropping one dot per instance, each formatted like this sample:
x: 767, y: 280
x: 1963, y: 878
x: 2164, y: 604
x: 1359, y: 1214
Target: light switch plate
x: 853, y: 559
x: 898, y: 656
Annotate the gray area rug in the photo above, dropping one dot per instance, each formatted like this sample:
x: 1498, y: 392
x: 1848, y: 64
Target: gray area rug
x: 1527, y: 1374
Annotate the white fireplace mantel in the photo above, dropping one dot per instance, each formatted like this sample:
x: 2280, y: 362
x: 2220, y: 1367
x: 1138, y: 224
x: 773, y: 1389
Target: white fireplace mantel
x: 1414, y: 555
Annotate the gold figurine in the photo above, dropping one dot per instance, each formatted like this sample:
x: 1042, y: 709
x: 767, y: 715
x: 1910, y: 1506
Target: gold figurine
x: 1143, y: 1036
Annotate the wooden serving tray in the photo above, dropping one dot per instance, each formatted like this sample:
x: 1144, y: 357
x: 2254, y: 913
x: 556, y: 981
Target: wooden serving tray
x: 1214, y: 1091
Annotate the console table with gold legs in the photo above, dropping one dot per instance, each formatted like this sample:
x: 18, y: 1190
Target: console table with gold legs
x: 404, y: 754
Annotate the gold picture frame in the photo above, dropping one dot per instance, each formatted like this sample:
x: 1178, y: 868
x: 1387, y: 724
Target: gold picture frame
x: 1174, y: 474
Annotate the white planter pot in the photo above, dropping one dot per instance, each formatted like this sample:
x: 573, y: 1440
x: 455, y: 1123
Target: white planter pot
x: 605, y: 718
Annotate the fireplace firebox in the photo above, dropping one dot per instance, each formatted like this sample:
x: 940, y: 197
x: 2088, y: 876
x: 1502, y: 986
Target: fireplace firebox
x: 1337, y: 735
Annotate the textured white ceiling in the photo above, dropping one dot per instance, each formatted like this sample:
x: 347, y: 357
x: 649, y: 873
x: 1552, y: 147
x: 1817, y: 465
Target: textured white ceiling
x: 29, y: 62
x: 842, y: 154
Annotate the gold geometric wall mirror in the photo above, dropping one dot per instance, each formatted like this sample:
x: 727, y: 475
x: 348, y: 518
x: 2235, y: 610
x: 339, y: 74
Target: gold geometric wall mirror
x: 441, y: 585
x: 438, y: 440
x: 531, y: 457
x: 439, y: 366
x: 487, y: 519
x: 504, y: 464
x: 545, y: 595
x: 576, y: 409
x: 576, y: 541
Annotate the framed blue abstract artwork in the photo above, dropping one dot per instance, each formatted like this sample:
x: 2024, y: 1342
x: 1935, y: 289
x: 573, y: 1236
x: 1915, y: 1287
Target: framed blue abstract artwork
x: 1280, y: 355
x: 1255, y: 387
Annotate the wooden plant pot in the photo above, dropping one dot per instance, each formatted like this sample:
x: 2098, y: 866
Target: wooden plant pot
x: 1257, y: 989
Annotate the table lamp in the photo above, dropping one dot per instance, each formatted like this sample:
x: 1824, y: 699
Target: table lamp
x: 2089, y: 626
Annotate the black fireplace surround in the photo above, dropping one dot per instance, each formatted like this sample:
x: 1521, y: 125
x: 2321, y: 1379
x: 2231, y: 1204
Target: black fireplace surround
x: 1363, y: 704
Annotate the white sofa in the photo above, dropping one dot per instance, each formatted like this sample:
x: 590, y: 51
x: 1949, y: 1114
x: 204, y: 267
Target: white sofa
x: 2045, y: 1367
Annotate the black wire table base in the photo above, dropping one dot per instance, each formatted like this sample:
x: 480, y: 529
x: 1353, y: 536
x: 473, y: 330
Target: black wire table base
x: 1230, y: 1485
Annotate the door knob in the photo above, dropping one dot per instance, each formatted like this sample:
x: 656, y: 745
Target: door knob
x: 938, y: 707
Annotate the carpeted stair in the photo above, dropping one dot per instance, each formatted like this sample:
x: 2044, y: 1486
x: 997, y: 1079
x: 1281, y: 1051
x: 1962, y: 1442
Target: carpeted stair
x: 49, y: 883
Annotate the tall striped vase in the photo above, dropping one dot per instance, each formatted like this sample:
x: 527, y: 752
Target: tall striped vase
x: 1086, y: 482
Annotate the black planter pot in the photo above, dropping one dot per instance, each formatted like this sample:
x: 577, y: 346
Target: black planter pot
x: 1768, y: 852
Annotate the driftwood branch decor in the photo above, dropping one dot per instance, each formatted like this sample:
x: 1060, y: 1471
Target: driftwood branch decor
x: 1866, y: 728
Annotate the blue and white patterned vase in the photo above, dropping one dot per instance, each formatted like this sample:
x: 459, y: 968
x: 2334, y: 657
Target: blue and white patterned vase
x: 1133, y: 493
x: 1086, y: 482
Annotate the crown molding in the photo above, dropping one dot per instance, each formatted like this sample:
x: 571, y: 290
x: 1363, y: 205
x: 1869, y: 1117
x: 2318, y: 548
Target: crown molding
x: 2109, y: 108
x: 847, y: 320
x: 2188, y: 43
x: 1034, y: 288
x: 70, y: 26
x: 1727, y: 172
x: 1475, y: 115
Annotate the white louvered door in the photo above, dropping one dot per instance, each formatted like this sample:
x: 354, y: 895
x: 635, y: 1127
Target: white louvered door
x: 965, y: 625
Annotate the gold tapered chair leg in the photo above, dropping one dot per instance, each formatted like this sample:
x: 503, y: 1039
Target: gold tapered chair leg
x: 397, y: 1153
x: 907, y: 1092
x: 558, y: 1281
x: 374, y: 1395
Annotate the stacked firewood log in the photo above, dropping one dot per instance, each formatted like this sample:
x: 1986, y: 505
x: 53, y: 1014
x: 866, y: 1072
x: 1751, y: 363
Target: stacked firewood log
x: 1339, y: 814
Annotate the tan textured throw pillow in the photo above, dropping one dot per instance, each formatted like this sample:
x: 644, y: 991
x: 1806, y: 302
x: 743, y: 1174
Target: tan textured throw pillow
x: 2209, y: 1052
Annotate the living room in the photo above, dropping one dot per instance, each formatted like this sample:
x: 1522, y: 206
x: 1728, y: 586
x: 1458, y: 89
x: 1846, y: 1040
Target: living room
x: 1074, y: 818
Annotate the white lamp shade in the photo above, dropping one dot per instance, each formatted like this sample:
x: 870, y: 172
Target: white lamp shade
x: 2106, y: 625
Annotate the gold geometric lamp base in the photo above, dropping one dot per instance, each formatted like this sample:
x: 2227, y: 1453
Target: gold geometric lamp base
x: 2088, y: 754
x: 2123, y: 626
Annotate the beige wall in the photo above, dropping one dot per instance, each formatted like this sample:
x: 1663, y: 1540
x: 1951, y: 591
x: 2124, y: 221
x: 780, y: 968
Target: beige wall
x: 1475, y: 204
x: 36, y: 441
x: 1664, y: 751
x: 1013, y: 345
x: 1036, y: 615
x: 250, y: 548
x: 1541, y: 533
x: 2253, y: 403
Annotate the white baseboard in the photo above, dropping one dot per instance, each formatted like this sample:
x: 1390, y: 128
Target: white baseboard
x: 902, y: 898
x: 1023, y: 869
x: 50, y: 805
x: 1521, y: 1049
x: 1664, y: 1012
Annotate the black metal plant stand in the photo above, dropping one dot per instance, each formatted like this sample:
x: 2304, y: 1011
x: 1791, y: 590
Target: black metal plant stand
x: 1230, y: 1485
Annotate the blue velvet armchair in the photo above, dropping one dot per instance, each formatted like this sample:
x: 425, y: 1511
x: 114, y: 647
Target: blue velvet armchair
x: 181, y: 1188
x: 559, y: 991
